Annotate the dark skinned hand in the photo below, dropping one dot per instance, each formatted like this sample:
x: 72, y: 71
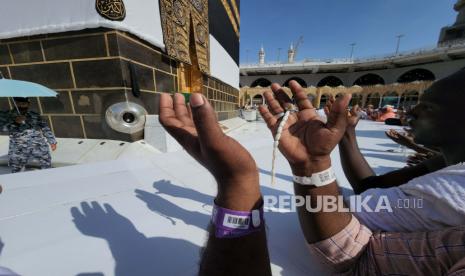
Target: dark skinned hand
x: 353, y: 117
x: 196, y: 128
x: 400, y: 138
x: 306, y: 140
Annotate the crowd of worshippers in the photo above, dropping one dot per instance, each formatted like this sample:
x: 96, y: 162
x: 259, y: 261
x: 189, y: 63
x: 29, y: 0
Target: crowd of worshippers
x: 387, y: 114
x: 403, y: 241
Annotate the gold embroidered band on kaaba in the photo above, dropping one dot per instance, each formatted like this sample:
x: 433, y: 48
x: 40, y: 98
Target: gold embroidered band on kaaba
x: 177, y: 16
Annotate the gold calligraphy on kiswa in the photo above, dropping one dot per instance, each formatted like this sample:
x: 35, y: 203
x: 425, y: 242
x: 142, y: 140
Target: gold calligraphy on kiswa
x: 111, y: 9
x: 183, y: 20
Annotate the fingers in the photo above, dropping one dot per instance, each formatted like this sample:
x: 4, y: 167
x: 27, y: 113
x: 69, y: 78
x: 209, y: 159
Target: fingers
x: 300, y: 96
x: 76, y: 214
x: 338, y: 116
x: 273, y: 104
x: 283, y: 99
x: 329, y: 105
x: 327, y: 110
x: 354, y: 110
x: 205, y: 121
x: 167, y: 114
x: 267, y: 116
x: 180, y: 109
x: 109, y: 209
x: 332, y: 100
x: 391, y: 133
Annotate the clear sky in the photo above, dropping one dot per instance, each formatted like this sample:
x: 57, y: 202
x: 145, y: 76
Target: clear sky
x: 330, y: 26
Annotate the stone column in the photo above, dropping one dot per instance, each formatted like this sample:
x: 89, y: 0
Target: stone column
x: 317, y: 99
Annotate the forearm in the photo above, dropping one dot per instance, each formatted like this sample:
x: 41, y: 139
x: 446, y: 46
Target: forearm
x: 401, y: 176
x: 245, y: 255
x: 48, y: 134
x: 317, y: 223
x: 355, y: 167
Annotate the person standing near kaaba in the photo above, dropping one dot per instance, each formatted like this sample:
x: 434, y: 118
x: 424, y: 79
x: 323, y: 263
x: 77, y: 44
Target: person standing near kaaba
x: 29, y: 136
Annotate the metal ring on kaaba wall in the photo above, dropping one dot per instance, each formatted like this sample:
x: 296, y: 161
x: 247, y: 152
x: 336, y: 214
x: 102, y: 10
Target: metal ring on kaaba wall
x: 126, y: 117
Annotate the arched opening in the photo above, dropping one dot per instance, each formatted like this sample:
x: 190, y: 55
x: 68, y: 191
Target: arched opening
x: 261, y: 82
x: 391, y: 98
x: 416, y: 75
x: 356, y: 100
x: 369, y: 80
x: 299, y: 80
x: 409, y: 99
x: 324, y: 99
x: 257, y: 100
x: 330, y: 81
x: 373, y: 99
x: 311, y: 98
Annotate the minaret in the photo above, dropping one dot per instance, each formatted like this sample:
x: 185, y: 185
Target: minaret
x: 261, y: 56
x: 456, y: 31
x: 291, y: 54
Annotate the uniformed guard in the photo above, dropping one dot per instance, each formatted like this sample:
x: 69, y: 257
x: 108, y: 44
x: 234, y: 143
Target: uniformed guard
x: 29, y: 136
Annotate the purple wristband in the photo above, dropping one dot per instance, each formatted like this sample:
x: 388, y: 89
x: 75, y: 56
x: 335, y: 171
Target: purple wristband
x: 233, y: 224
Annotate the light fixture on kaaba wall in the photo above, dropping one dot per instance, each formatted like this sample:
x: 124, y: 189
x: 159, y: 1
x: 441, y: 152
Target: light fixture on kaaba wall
x: 111, y: 9
x: 126, y: 117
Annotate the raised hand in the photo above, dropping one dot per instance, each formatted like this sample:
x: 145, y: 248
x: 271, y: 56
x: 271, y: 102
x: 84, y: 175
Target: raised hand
x: 353, y: 116
x: 306, y: 141
x: 400, y: 138
x: 196, y: 128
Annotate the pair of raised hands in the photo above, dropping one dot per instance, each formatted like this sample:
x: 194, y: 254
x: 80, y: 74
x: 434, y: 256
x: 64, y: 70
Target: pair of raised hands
x: 306, y: 140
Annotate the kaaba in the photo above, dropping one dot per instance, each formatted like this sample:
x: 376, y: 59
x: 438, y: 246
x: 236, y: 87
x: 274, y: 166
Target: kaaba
x: 109, y: 60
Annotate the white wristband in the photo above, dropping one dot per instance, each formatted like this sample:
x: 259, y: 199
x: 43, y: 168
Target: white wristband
x: 319, y: 179
x: 303, y: 180
x: 323, y: 178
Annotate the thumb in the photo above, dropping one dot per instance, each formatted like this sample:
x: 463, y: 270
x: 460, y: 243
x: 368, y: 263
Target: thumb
x: 338, y: 116
x: 205, y: 120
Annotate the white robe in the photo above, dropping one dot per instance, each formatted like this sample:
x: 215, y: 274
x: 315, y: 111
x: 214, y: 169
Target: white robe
x: 441, y: 195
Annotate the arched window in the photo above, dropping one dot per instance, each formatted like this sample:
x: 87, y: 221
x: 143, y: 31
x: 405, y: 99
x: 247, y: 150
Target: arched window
x: 330, y: 81
x: 409, y: 99
x: 257, y: 100
x: 261, y: 82
x: 324, y: 99
x: 356, y: 100
x: 373, y: 99
x: 390, y: 98
x: 369, y: 80
x: 299, y: 80
x: 311, y: 98
x: 416, y: 75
